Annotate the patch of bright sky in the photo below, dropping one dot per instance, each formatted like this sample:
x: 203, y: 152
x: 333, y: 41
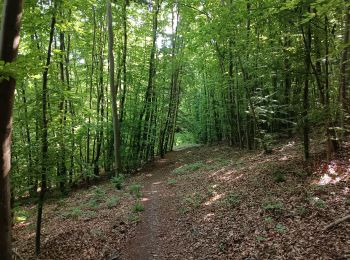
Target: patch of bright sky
x: 162, y: 39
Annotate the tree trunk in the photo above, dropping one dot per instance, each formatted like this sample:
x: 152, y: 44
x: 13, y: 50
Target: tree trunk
x: 116, y: 126
x: 344, y: 60
x: 125, y: 49
x: 9, y: 41
x: 306, y: 127
x: 44, y: 140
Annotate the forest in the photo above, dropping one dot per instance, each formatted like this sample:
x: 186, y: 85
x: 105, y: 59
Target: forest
x: 174, y: 129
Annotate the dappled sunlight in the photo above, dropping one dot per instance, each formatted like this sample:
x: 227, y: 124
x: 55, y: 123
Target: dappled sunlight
x: 284, y: 158
x: 209, y: 216
x: 21, y: 224
x: 287, y: 146
x: 228, y: 176
x: 213, y: 199
x: 332, y: 173
x: 220, y: 171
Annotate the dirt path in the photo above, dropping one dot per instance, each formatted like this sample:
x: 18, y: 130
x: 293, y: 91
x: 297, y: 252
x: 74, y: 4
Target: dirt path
x: 156, y: 218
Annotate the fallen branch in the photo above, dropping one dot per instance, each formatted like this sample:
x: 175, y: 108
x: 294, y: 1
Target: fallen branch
x: 338, y: 221
x: 17, y: 255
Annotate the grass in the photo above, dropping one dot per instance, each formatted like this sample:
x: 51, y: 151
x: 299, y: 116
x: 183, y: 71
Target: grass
x: 93, y: 203
x: 98, y: 193
x: 138, y: 207
x: 73, y: 213
x: 118, y: 181
x: 189, y: 167
x: 273, y: 206
x: 135, y: 190
x: 134, y: 217
x: 233, y: 199
x: 280, y: 228
x: 112, y: 202
x: 172, y: 182
x: 21, y: 215
x: 318, y: 203
x: 194, y: 200
x: 260, y: 239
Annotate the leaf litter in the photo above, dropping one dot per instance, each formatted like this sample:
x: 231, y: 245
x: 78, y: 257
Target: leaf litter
x: 207, y: 203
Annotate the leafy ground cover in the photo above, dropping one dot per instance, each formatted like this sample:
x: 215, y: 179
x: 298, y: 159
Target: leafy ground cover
x: 205, y: 203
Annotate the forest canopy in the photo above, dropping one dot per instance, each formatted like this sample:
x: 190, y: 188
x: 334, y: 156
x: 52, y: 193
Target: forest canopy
x: 244, y: 72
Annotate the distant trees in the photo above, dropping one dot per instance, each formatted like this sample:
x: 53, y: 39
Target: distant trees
x: 264, y: 70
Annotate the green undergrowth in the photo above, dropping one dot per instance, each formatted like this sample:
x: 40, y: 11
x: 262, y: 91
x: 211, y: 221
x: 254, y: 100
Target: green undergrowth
x: 188, y: 168
x: 215, y: 164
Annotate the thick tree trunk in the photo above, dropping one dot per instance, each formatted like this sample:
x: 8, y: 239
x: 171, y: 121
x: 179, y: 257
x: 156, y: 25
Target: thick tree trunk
x: 9, y: 41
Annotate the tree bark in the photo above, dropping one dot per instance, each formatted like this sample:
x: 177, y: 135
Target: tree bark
x: 306, y: 127
x: 12, y: 12
x: 116, y: 126
x: 44, y: 140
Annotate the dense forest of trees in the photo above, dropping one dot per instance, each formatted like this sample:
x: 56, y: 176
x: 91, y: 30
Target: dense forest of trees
x: 105, y: 86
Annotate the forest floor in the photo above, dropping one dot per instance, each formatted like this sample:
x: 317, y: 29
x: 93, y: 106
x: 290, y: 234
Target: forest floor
x: 204, y: 203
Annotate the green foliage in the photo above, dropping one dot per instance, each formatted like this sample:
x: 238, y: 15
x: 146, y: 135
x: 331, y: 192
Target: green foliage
x: 99, y: 193
x: 73, y: 213
x: 172, y: 182
x: 93, y: 203
x: 184, y: 139
x: 135, y: 189
x: 194, y: 200
x: 268, y: 219
x: 134, y: 217
x: 280, y: 228
x: 301, y: 210
x: 20, y: 214
x: 278, y: 176
x: 112, y: 201
x: 118, y: 181
x: 138, y: 207
x: 187, y: 168
x: 318, y: 203
x: 273, y: 206
x: 260, y: 239
x: 233, y: 199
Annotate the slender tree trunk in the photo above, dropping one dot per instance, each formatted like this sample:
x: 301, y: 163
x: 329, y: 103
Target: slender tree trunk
x: 306, y: 127
x: 90, y: 89
x: 116, y: 127
x: 44, y: 140
x: 62, y: 169
x: 9, y: 41
x: 125, y: 49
